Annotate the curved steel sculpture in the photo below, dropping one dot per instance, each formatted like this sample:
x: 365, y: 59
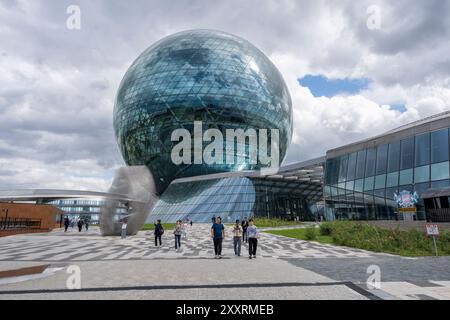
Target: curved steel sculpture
x: 135, y: 182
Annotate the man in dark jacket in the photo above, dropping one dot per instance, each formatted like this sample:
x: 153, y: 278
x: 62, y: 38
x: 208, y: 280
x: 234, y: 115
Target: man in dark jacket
x: 244, y: 225
x: 159, y: 230
x: 66, y: 223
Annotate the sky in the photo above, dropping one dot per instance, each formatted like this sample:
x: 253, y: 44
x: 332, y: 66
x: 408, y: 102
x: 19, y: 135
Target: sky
x: 354, y: 69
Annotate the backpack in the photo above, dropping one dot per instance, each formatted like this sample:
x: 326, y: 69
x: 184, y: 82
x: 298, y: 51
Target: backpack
x: 161, y: 230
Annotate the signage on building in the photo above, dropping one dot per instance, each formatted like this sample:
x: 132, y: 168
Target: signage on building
x: 406, y: 199
x: 432, y: 229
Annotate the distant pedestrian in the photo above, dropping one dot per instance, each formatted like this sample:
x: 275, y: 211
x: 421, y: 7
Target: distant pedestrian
x: 244, y: 224
x: 191, y: 223
x: 237, y: 234
x: 86, y: 224
x: 159, y: 231
x: 177, y: 232
x: 123, y: 232
x: 213, y: 220
x: 184, y: 230
x: 218, y: 234
x: 72, y: 223
x: 80, y: 225
x: 252, y: 236
x: 66, y: 223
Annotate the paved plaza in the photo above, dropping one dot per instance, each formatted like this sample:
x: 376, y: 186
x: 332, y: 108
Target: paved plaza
x: 133, y: 268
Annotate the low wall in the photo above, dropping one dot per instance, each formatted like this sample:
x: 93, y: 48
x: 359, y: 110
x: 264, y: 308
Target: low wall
x: 46, y: 213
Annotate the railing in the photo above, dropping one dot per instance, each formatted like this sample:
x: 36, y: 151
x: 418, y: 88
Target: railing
x: 19, y: 223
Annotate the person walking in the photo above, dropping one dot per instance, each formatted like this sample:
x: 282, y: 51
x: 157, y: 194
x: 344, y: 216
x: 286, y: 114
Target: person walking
x: 191, y: 223
x: 177, y: 232
x: 80, y: 225
x: 86, y: 224
x: 244, y: 224
x: 159, y: 231
x: 252, y: 236
x: 218, y: 234
x: 123, y: 232
x: 237, y: 234
x: 66, y: 223
x: 213, y: 220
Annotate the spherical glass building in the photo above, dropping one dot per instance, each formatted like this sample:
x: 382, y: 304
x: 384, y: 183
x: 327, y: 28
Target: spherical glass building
x: 197, y: 75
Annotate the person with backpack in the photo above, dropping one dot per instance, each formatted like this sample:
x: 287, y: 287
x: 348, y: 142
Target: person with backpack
x: 159, y: 231
x: 244, y: 224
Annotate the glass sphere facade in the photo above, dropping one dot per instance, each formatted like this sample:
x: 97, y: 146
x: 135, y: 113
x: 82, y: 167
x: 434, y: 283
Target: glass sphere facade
x: 198, y: 75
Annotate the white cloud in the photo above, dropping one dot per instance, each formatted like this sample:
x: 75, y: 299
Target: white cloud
x: 57, y: 87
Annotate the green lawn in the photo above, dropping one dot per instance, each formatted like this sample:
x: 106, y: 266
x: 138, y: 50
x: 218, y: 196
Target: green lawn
x: 151, y: 226
x: 274, y: 222
x: 411, y: 243
x: 300, y: 234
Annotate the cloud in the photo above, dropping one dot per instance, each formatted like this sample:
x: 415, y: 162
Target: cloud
x: 57, y: 86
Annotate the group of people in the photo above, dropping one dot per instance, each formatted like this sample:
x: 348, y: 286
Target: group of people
x: 79, y: 222
x: 244, y: 231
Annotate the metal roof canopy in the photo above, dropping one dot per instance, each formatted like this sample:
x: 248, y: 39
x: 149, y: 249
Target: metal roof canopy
x: 434, y: 193
x: 55, y: 194
x: 306, y: 171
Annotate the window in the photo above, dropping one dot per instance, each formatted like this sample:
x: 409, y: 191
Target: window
x: 382, y: 155
x: 394, y: 156
x: 351, y: 166
x: 343, y: 168
x: 392, y: 179
x: 440, y: 171
x: 439, y: 146
x: 359, y: 185
x: 380, y: 181
x: 360, y: 164
x: 407, y: 153
x: 370, y: 162
x: 422, y: 150
x: 368, y: 183
x: 421, y: 174
x: 406, y: 176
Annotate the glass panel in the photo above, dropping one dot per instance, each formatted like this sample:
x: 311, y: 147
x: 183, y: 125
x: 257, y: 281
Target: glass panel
x: 349, y: 185
x: 343, y: 168
x: 368, y: 183
x: 421, y: 174
x: 406, y: 176
x: 440, y: 171
x: 407, y: 153
x: 394, y: 156
x: 359, y: 184
x: 382, y: 154
x: 439, y: 146
x: 380, y: 181
x: 392, y: 179
x: 370, y: 162
x: 440, y: 184
x: 361, y: 164
x: 422, y: 150
x: 351, y: 166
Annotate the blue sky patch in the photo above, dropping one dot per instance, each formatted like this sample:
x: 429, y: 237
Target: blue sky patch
x: 398, y: 107
x: 322, y: 86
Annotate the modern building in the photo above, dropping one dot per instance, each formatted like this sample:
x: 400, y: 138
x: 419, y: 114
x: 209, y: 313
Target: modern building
x: 198, y: 75
x: 73, y: 204
x: 226, y: 83
x: 406, y: 167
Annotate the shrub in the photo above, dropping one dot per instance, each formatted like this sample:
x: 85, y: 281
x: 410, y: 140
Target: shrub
x: 311, y: 233
x: 326, y: 228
